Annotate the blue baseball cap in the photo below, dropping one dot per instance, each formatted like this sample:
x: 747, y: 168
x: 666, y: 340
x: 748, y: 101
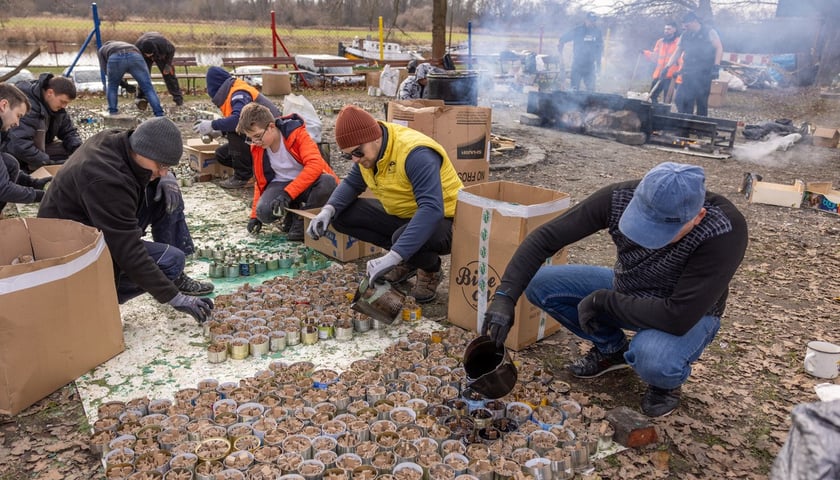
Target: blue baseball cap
x: 668, y: 197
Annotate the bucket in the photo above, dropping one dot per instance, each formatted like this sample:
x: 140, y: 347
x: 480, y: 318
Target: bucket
x: 454, y: 88
x: 489, y: 369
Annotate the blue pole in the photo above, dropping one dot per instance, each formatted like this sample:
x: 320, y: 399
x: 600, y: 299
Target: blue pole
x: 469, y: 45
x: 98, y: 40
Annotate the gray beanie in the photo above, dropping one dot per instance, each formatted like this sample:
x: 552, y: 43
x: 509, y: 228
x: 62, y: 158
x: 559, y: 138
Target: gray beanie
x: 158, y: 139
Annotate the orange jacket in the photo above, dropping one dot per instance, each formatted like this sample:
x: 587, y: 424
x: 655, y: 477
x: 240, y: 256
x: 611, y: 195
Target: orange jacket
x: 661, y: 53
x: 302, y: 148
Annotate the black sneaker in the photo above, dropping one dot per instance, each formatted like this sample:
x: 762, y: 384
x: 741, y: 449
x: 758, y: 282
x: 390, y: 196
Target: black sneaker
x: 296, y: 230
x: 658, y: 402
x: 594, y: 364
x: 189, y: 286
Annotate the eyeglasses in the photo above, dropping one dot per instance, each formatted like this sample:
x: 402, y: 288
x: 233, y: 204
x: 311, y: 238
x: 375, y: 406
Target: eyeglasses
x: 358, y: 153
x: 257, y: 138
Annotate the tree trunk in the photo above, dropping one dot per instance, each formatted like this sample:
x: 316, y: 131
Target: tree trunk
x: 438, y: 29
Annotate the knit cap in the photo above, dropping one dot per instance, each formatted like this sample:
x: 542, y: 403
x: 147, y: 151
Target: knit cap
x: 355, y: 126
x: 158, y: 139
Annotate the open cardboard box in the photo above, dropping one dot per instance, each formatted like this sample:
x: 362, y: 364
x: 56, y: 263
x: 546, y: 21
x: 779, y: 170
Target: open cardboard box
x: 59, y: 315
x: 339, y: 246
x: 202, y: 159
x: 822, y: 196
x: 768, y: 193
x: 45, y: 171
x: 463, y: 131
x: 491, y: 221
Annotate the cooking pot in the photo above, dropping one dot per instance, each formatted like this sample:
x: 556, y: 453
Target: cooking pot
x: 490, y: 370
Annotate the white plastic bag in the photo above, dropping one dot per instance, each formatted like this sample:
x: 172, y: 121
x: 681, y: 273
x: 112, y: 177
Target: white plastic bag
x: 300, y: 105
x: 389, y: 81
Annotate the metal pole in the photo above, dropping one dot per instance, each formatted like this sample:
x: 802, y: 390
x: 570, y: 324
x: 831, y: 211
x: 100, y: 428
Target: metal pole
x: 381, y: 40
x: 273, y: 39
x: 98, y: 40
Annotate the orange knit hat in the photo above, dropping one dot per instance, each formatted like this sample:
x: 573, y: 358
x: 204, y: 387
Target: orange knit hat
x: 355, y: 126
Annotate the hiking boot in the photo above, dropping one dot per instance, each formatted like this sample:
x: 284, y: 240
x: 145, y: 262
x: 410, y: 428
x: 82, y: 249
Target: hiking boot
x: 233, y: 182
x: 400, y: 273
x: 594, y: 364
x: 189, y: 286
x: 425, y: 288
x: 295, y: 230
x: 659, y: 402
x: 141, y: 103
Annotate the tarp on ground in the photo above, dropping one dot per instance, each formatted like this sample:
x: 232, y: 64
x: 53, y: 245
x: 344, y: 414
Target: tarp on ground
x: 810, y: 451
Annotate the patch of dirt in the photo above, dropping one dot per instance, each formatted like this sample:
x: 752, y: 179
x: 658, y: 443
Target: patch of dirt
x: 735, y: 411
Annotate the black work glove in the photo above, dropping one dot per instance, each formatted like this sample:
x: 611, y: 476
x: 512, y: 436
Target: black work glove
x: 170, y: 192
x: 39, y: 195
x: 198, y: 307
x: 254, y: 226
x: 715, y: 73
x: 280, y: 204
x: 40, y: 183
x: 588, y: 310
x: 499, y: 318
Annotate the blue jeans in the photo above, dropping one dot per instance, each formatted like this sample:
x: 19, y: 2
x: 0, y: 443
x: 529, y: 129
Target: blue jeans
x: 171, y: 261
x: 659, y: 358
x: 133, y: 63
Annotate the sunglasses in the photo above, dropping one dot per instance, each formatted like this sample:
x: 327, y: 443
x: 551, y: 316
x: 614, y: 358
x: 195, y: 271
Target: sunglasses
x: 257, y: 138
x: 358, y: 153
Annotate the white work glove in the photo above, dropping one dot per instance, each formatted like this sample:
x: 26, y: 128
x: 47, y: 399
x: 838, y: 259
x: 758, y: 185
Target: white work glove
x: 203, y: 127
x: 318, y: 225
x: 382, y: 265
x: 169, y: 190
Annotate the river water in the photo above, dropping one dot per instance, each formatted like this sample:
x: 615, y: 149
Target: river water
x: 12, y: 56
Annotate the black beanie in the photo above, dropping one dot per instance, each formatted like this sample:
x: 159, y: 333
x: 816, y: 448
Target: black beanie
x: 158, y: 139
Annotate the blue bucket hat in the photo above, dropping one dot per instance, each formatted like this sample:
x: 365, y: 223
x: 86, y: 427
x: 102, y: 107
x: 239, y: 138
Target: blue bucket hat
x: 668, y: 197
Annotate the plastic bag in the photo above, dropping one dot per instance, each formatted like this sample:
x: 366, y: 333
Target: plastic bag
x: 300, y: 105
x: 389, y: 81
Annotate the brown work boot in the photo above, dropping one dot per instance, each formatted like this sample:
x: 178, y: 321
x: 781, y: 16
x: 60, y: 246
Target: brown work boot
x: 400, y: 273
x: 425, y: 288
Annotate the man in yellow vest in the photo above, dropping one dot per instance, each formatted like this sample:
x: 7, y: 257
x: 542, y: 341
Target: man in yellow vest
x: 415, y: 188
x: 231, y: 94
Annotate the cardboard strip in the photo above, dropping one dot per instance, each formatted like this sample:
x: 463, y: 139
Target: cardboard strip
x: 52, y: 274
x: 483, y: 265
x: 513, y: 210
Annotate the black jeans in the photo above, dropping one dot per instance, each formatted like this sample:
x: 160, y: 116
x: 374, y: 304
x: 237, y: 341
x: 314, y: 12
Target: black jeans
x: 236, y: 154
x: 366, y: 220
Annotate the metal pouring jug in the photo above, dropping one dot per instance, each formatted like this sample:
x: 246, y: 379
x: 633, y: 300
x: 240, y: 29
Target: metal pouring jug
x: 490, y: 370
x: 379, y: 301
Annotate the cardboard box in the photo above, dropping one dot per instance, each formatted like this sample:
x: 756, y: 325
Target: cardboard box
x: 821, y: 196
x: 717, y: 95
x: 202, y: 159
x: 339, y: 246
x: 491, y: 221
x: 59, y: 315
x: 825, y: 137
x: 45, y: 171
x: 464, y: 132
x: 768, y: 193
x: 275, y: 82
x: 372, y: 78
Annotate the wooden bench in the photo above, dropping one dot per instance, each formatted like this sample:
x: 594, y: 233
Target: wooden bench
x: 189, y: 78
x: 233, y: 62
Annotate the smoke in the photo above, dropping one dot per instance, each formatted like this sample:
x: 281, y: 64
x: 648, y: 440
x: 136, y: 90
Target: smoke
x: 776, y: 151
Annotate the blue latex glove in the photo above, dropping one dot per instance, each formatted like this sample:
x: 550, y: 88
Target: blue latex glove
x: 378, y: 267
x: 498, y: 319
x: 198, y: 307
x: 203, y: 127
x: 318, y: 226
x: 170, y: 192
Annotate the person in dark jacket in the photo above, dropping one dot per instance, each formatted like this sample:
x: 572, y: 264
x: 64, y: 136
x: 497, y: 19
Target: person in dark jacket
x: 15, y: 186
x: 587, y: 49
x: 160, y: 51
x: 678, y: 247
x: 231, y: 94
x: 289, y: 171
x: 119, y: 182
x: 118, y: 58
x: 46, y: 134
x: 701, y: 52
